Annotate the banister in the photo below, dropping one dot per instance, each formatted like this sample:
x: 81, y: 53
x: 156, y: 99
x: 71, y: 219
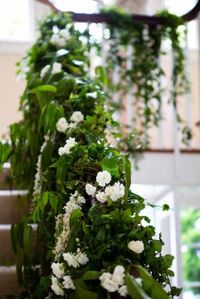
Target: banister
x: 102, y: 18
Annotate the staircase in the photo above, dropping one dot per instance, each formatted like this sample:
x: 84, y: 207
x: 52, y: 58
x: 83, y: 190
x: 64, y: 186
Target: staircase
x: 12, y: 207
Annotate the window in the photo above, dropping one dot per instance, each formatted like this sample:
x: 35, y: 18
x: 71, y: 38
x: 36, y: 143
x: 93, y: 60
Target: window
x: 16, y: 20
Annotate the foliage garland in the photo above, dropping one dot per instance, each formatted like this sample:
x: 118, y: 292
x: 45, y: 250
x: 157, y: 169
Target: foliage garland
x: 105, y: 231
x: 143, y: 79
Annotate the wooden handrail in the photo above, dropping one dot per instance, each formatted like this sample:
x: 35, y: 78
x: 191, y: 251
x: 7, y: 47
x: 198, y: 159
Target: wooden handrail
x: 101, y: 18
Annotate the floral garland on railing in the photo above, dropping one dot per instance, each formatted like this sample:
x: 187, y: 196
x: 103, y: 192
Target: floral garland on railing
x: 92, y: 241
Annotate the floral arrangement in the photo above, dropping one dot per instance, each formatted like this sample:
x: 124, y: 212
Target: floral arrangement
x: 92, y: 241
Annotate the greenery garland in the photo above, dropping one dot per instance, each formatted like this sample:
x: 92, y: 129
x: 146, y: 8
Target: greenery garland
x: 143, y: 79
x: 92, y: 241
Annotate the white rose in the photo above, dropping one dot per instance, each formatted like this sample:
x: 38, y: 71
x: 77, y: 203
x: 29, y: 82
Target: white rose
x: 61, y: 125
x: 136, y: 246
x: 70, y: 143
x: 77, y: 117
x: 81, y: 199
x: 56, y: 68
x: 58, y: 270
x: 72, y: 125
x: 57, y: 40
x: 118, y: 191
x: 71, y: 260
x: 61, y: 151
x: 68, y: 282
x: 90, y: 190
x: 101, y: 197
x: 109, y: 191
x: 44, y: 71
x: 64, y: 33
x: 109, y: 285
x: 123, y: 291
x: 82, y: 258
x: 118, y: 275
x: 55, y: 287
x: 103, y: 178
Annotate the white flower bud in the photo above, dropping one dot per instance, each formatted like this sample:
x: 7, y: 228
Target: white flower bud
x: 103, y: 178
x: 136, y: 246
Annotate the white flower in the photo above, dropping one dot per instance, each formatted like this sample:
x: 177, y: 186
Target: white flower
x: 136, y: 246
x: 77, y: 259
x: 56, y: 68
x: 61, y: 151
x: 77, y: 117
x: 64, y: 33
x: 115, y: 192
x: 68, y: 282
x: 105, y: 276
x: 44, y: 71
x: 90, y: 190
x: 118, y: 191
x: 109, y: 191
x: 82, y: 258
x: 101, y: 197
x: 58, y: 270
x: 56, y: 287
x: 123, y: 291
x: 72, y: 125
x: 103, y: 178
x: 81, y: 200
x: 71, y: 260
x: 57, y: 40
x: 92, y: 94
x: 70, y: 143
x: 118, y: 275
x: 107, y: 282
x: 61, y: 125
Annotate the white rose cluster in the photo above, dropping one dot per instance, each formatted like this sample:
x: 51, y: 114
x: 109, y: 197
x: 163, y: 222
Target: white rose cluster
x: 66, y: 149
x: 76, y: 260
x: 114, y: 282
x: 62, y: 125
x: 58, y: 270
x: 113, y: 192
x: 75, y: 202
x: 55, y: 69
x: 136, y: 246
x: 60, y: 38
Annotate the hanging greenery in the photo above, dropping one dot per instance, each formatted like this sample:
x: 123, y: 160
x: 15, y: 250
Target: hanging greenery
x: 136, y: 51
x: 92, y: 241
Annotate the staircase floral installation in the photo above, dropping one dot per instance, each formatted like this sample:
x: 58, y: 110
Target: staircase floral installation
x: 92, y: 240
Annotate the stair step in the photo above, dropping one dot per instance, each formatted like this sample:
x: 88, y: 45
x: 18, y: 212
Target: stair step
x: 8, y: 281
x: 13, y: 205
x: 7, y: 256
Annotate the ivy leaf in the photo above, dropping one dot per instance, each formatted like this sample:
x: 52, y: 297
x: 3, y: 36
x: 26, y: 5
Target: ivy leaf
x: 4, y: 152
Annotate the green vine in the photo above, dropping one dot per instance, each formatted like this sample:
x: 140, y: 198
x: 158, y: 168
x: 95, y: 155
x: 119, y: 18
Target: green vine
x: 143, y: 79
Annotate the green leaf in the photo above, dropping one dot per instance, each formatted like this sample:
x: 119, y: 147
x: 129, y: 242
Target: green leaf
x: 91, y: 275
x: 82, y: 291
x: 134, y: 289
x: 44, y: 88
x: 27, y: 240
x: 127, y: 169
x: 75, y: 216
x: 151, y: 286
x: 111, y: 165
x: 5, y: 151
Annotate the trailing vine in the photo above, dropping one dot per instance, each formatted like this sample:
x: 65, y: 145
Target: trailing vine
x: 143, y: 80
